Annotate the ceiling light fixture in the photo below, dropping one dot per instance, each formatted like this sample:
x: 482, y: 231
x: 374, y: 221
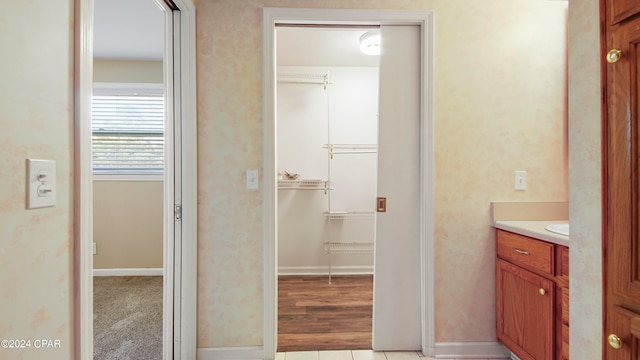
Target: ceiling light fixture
x: 370, y: 42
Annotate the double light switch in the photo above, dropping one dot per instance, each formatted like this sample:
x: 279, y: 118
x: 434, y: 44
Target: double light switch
x: 41, y: 183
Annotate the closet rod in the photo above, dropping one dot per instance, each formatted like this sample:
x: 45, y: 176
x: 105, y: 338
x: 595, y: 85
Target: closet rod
x: 329, y: 26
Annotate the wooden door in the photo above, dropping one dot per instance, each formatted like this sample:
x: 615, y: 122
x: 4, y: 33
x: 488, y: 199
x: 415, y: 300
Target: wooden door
x: 524, y: 311
x: 621, y: 179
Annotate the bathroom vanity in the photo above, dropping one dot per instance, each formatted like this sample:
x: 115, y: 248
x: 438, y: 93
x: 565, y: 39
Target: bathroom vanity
x: 532, y: 294
x: 532, y: 279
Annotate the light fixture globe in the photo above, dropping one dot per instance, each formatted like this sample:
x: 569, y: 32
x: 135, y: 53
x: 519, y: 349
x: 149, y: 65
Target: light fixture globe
x: 370, y: 42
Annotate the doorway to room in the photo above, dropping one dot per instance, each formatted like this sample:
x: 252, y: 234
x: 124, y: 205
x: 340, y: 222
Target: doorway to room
x: 128, y: 146
x: 327, y: 131
x: 179, y: 208
x: 399, y: 324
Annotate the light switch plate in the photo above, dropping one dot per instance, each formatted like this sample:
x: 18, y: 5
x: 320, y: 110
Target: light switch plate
x: 252, y: 179
x: 41, y: 183
x: 520, y: 180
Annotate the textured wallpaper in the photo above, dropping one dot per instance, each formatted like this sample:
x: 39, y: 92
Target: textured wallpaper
x: 585, y: 206
x: 35, y: 122
x: 500, y: 107
x: 229, y: 142
x: 500, y: 75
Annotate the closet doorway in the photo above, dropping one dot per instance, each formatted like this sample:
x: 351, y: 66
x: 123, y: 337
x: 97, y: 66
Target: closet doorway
x: 403, y: 295
x: 327, y: 131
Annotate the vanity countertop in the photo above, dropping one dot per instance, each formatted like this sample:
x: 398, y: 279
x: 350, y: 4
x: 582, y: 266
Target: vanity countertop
x: 535, y: 229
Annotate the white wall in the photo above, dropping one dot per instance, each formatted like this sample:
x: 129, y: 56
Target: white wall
x: 36, y: 121
x: 128, y: 71
x: 309, y: 117
x: 127, y: 224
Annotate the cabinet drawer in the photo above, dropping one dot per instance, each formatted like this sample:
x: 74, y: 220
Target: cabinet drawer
x: 527, y: 252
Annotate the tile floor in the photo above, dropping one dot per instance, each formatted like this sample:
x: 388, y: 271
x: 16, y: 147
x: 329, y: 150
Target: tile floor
x: 355, y: 355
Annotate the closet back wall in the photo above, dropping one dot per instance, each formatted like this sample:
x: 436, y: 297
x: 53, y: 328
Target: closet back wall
x: 127, y: 215
x: 303, y: 129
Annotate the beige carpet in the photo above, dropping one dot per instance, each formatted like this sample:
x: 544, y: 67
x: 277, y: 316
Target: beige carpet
x: 127, y: 317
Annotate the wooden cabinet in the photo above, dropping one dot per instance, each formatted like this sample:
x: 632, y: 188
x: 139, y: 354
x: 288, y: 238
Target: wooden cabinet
x: 532, y: 297
x: 562, y: 303
x: 621, y: 141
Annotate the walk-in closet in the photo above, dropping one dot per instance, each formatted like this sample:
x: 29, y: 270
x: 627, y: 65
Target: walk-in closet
x: 327, y: 135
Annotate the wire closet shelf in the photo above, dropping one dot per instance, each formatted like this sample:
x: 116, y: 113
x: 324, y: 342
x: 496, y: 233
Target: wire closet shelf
x: 330, y: 247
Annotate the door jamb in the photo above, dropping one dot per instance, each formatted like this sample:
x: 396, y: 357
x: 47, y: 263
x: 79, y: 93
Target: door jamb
x: 82, y: 178
x: 424, y: 19
x: 83, y: 189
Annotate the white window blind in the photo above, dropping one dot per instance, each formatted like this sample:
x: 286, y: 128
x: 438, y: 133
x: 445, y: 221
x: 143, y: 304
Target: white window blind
x: 128, y: 129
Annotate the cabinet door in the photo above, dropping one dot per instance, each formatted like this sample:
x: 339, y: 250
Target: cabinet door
x: 524, y: 311
x: 620, y: 10
x: 627, y: 323
x: 622, y: 200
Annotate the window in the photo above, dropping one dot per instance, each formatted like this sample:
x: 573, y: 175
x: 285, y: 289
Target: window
x: 128, y: 129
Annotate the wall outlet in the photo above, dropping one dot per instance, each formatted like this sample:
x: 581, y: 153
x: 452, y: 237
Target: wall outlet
x: 520, y: 180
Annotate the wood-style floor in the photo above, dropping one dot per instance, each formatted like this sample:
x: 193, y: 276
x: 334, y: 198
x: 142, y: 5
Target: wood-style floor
x: 315, y: 315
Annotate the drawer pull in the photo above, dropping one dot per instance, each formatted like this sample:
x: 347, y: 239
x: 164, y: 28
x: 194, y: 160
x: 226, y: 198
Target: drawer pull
x: 542, y: 291
x: 520, y: 251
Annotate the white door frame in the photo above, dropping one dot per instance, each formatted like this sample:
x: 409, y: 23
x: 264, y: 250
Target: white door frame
x: 424, y: 19
x: 179, y: 261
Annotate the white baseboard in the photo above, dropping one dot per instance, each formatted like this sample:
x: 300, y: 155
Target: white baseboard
x: 231, y: 353
x: 472, y: 350
x: 129, y: 272
x: 463, y: 350
x: 323, y: 270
